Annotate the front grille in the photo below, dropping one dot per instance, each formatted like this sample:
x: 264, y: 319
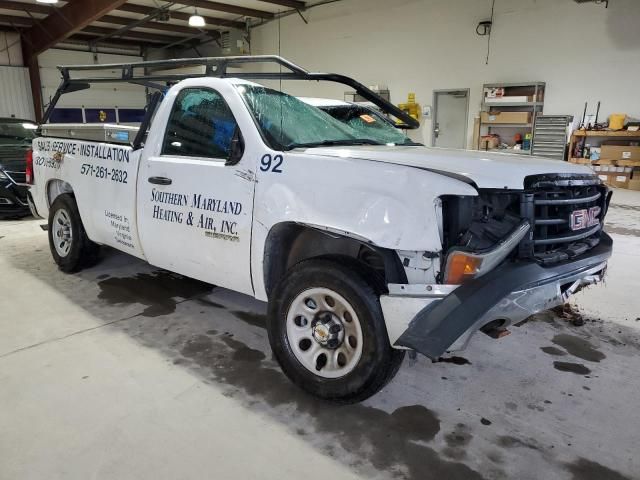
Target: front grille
x: 567, y: 215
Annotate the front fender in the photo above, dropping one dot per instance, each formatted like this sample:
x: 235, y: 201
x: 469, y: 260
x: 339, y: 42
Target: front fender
x: 387, y: 205
x: 392, y: 206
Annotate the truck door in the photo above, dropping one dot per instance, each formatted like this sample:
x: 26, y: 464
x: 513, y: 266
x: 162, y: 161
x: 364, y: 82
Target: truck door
x: 194, y: 209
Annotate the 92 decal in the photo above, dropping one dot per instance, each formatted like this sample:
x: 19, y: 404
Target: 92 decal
x: 271, y: 164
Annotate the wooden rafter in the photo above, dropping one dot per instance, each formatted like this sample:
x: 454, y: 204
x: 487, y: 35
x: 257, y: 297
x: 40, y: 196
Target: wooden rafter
x: 65, y: 21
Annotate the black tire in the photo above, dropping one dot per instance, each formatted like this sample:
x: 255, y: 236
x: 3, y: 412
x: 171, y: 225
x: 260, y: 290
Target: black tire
x: 378, y: 362
x: 82, y: 251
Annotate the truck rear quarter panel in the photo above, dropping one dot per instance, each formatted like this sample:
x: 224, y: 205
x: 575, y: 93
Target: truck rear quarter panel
x: 101, y: 176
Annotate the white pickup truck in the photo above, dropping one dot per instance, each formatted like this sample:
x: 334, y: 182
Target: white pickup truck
x: 364, y: 249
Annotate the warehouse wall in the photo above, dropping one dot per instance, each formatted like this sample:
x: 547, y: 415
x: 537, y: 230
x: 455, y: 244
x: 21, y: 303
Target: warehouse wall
x: 15, y: 94
x: 98, y: 96
x: 10, y: 49
x: 583, y: 52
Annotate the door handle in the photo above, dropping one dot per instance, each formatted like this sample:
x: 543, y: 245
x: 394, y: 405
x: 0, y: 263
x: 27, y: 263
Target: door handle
x: 160, y: 180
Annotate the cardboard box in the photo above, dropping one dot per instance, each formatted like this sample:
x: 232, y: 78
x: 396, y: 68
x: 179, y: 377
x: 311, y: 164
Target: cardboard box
x: 620, y: 180
x: 604, y: 177
x: 582, y: 161
x: 634, y: 185
x: 489, y: 142
x: 617, y: 151
x: 604, y: 161
x: 509, y: 99
x: 628, y: 163
x: 505, y: 117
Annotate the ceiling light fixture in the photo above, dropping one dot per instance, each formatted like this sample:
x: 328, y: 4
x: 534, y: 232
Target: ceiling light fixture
x: 196, y: 20
x: 47, y: 1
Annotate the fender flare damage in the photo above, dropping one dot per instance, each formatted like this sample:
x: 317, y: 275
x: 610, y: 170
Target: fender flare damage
x: 289, y: 243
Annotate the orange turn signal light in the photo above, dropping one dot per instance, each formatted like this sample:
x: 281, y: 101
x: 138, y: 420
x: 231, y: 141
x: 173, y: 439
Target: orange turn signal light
x: 462, y: 266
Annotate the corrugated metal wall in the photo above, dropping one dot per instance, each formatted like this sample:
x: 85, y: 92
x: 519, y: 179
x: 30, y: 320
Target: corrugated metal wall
x: 15, y: 93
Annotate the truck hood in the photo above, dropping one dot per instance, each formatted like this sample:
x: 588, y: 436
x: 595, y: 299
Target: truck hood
x: 484, y: 169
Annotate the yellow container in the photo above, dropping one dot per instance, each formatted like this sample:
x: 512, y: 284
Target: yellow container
x: 616, y: 121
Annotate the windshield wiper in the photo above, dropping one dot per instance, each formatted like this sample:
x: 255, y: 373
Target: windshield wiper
x: 333, y: 143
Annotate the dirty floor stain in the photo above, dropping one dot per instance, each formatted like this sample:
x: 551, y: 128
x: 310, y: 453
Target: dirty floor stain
x: 556, y: 352
x: 583, y: 469
x: 578, y: 347
x: 576, y: 368
x: 255, y: 319
x: 455, y: 360
x: 156, y: 290
x: 386, y: 440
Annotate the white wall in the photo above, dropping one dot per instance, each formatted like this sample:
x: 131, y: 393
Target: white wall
x: 583, y: 52
x: 98, y: 96
x: 10, y: 49
x: 15, y: 93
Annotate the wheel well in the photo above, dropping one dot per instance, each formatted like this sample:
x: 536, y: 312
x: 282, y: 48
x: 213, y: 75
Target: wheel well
x: 56, y: 188
x: 290, y: 243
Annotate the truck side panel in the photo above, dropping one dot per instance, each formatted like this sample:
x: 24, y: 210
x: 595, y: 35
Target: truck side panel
x: 354, y: 203
x: 101, y: 176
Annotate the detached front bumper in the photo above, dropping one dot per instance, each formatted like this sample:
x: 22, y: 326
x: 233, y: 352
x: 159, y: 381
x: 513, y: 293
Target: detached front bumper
x: 447, y: 316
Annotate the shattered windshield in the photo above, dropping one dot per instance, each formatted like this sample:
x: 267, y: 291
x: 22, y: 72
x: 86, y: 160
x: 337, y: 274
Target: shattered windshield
x: 368, y: 122
x: 287, y: 122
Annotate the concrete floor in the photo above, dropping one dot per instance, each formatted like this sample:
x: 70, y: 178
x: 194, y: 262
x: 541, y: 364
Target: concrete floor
x: 124, y: 372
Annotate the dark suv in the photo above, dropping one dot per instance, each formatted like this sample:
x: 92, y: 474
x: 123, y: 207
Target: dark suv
x: 15, y: 139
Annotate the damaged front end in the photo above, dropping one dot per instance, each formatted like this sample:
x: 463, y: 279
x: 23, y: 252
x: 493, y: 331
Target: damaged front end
x: 508, y: 254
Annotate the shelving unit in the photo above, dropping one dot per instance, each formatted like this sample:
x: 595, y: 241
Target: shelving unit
x: 600, y: 136
x: 619, y: 165
x: 506, y: 131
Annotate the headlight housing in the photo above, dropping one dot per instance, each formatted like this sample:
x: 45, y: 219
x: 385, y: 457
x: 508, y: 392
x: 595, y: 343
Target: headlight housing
x: 463, y: 266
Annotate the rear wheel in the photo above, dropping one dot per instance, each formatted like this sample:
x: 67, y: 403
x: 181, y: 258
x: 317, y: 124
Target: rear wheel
x: 70, y: 247
x: 327, y: 331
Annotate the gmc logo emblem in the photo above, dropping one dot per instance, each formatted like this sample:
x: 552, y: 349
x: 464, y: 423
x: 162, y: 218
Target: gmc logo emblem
x: 581, y: 219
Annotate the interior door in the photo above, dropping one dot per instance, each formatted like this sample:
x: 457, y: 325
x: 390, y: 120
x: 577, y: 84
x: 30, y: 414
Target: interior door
x: 195, y: 211
x: 450, y: 118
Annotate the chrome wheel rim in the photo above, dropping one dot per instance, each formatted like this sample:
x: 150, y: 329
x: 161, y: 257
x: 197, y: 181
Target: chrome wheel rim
x: 62, y: 232
x: 324, y: 333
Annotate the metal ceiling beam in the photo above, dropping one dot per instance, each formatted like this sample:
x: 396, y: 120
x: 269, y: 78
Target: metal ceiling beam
x: 226, y: 7
x: 143, y: 36
x: 65, y: 21
x: 86, y: 39
x: 26, y: 7
x: 142, y: 10
x: 16, y: 21
x: 295, y: 4
x: 167, y: 27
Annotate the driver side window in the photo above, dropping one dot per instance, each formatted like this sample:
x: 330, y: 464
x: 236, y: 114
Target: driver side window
x: 200, y: 125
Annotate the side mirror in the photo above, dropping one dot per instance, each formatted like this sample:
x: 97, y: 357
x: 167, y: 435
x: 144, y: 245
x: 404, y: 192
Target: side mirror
x: 236, y: 148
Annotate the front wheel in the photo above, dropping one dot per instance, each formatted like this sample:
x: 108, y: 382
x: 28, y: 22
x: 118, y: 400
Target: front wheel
x: 70, y: 247
x: 328, y: 333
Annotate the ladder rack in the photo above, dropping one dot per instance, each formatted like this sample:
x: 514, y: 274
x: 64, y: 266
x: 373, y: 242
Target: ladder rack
x: 147, y: 74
